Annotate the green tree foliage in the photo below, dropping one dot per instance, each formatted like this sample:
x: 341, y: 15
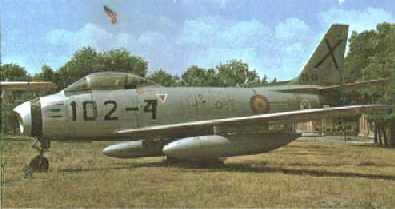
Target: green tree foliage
x: 83, y: 62
x: 372, y: 56
x: 46, y: 74
x: 88, y: 60
x: 237, y: 73
x: 163, y: 78
x: 13, y: 72
x: 196, y: 76
x: 232, y: 73
x: 120, y: 60
x: 361, y: 47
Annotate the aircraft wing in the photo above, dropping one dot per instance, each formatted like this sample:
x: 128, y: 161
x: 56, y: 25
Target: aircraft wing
x: 26, y: 85
x: 209, y: 127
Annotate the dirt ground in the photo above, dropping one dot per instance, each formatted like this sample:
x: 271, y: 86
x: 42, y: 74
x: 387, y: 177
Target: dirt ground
x: 317, y: 172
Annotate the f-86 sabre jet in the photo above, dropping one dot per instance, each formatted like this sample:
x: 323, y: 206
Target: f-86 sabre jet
x: 193, y: 123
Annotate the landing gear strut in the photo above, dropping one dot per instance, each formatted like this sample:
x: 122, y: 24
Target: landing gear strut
x: 40, y: 162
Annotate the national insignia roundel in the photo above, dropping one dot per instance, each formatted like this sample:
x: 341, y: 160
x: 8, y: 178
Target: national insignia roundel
x: 259, y: 104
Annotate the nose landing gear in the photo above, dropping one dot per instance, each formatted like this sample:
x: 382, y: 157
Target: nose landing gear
x: 40, y: 162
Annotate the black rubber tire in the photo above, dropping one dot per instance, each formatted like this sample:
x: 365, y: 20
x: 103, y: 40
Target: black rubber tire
x: 39, y: 164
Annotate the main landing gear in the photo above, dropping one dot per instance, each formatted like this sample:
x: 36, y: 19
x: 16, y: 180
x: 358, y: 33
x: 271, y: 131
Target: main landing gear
x: 40, y: 162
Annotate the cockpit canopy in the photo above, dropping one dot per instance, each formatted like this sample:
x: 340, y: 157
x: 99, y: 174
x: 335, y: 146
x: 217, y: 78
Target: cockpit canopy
x: 108, y: 81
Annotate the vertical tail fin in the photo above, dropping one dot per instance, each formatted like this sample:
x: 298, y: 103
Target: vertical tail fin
x: 325, y: 67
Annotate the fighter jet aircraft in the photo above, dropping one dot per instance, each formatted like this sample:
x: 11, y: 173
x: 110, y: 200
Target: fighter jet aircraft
x: 188, y: 123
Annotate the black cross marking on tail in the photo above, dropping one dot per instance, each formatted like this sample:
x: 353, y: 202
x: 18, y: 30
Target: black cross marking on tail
x: 330, y: 53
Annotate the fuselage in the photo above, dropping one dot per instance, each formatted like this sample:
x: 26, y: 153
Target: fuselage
x: 97, y: 114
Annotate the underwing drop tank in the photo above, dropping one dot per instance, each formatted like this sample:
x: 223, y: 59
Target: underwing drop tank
x: 202, y: 148
x: 197, y: 148
x: 133, y: 149
x: 215, y: 146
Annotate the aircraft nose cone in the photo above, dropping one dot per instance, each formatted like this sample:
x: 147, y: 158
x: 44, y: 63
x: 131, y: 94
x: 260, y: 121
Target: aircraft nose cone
x: 24, y: 116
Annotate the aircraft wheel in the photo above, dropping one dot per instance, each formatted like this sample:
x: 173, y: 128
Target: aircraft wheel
x: 39, y: 164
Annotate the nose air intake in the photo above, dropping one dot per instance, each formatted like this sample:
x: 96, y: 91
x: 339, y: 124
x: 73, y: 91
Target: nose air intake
x: 24, y: 116
x: 29, y: 118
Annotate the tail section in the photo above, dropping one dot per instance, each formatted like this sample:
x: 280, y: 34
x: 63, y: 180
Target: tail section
x: 325, y: 67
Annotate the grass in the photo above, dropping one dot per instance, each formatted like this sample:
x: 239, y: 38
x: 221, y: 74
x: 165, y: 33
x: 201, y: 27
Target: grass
x: 304, y: 174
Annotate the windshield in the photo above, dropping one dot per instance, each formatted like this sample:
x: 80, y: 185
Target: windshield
x: 80, y: 85
x: 108, y: 81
